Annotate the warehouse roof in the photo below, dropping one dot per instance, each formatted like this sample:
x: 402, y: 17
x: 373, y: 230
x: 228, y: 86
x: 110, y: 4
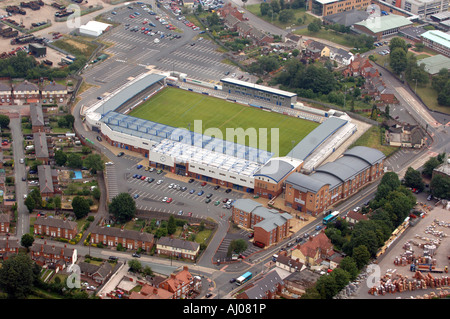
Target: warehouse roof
x: 259, y: 87
x: 384, y: 23
x: 314, y: 139
x: 246, y: 204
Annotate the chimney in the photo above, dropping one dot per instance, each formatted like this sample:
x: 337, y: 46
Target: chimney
x: 172, y: 276
x: 185, y: 268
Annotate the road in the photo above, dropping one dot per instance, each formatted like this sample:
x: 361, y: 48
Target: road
x: 23, y: 218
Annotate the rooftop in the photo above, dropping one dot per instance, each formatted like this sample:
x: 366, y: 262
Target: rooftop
x: 434, y: 64
x: 314, y: 139
x: 438, y: 37
x: 259, y: 87
x: 384, y: 23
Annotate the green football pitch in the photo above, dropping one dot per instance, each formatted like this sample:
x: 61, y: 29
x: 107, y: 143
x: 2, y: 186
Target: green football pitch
x: 179, y: 108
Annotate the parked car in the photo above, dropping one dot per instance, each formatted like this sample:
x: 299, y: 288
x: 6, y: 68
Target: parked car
x: 169, y: 200
x: 191, y: 180
x: 209, y: 195
x: 136, y: 255
x: 204, y: 183
x: 200, y: 193
x: 139, y: 166
x: 120, y: 154
x: 228, y: 190
x: 136, y: 196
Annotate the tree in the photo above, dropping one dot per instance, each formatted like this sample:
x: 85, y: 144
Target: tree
x: 440, y: 186
x: 70, y: 119
x: 341, y: 277
x: 123, y: 207
x: 96, y: 193
x: 30, y: 203
x: 327, y: 287
x: 397, y: 42
x: 135, y: 265
x: 60, y: 158
x: 17, y: 276
x: 275, y: 6
x: 74, y: 161
x: 429, y: 166
x: 237, y: 246
x: 171, y: 225
x: 80, y: 206
x: 264, y: 8
x: 94, y: 162
x: 349, y: 265
x: 27, y: 241
x: 286, y: 16
x: 414, y: 179
x: 444, y: 95
x: 361, y: 256
x: 391, y: 180
x: 314, y: 26
x: 398, y: 60
x: 4, y: 121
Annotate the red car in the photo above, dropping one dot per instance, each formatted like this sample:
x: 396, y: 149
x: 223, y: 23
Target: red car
x: 190, y: 214
x: 132, y: 16
x: 143, y: 177
x: 204, y: 183
x: 169, y: 200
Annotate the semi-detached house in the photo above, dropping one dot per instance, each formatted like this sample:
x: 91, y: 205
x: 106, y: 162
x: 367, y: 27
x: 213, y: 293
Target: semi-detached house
x: 129, y: 239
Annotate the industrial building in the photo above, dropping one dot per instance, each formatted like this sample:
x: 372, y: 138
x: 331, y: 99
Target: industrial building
x: 438, y: 41
x: 37, y: 50
x: 382, y: 26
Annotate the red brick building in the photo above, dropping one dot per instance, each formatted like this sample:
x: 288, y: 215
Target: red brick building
x: 6, y: 96
x: 55, y: 227
x: 269, y: 225
x: 8, y: 247
x: 4, y: 223
x: 334, y: 181
x: 129, y: 239
x: 267, y: 287
x: 52, y: 256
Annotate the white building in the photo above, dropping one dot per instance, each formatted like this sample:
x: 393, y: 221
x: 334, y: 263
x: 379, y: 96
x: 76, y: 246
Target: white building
x: 94, y: 28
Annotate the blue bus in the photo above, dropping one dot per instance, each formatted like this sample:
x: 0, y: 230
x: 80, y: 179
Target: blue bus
x: 244, y: 278
x: 330, y: 218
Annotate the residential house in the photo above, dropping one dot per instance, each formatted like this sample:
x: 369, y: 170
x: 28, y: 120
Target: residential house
x: 37, y: 118
x: 181, y: 284
x: 287, y: 263
x: 48, y: 179
x: 151, y: 292
x: 98, y: 273
x: 51, y: 256
x: 228, y: 10
x: 6, y: 96
x: 298, y: 282
x: 267, y: 287
x: 314, y: 251
x: 8, y: 248
x: 294, y: 40
x: 231, y: 22
x: 353, y: 217
x: 341, y: 56
x: 4, y: 223
x: 269, y: 225
x: 26, y: 93
x: 55, y: 227
x: 129, y: 239
x: 41, y: 147
x: 178, y: 248
x: 401, y: 135
x: 54, y: 92
x: 317, y: 50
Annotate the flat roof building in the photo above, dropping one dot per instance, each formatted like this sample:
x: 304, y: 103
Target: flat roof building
x: 434, y: 64
x: 438, y: 41
x: 382, y: 26
x: 329, y: 7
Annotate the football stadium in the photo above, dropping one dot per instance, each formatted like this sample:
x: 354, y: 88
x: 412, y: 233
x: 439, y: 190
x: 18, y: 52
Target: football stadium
x: 182, y: 125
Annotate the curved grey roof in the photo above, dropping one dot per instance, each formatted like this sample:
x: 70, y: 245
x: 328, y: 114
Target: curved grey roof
x: 305, y: 183
x: 275, y: 169
x: 326, y: 178
x: 339, y: 170
x: 370, y: 155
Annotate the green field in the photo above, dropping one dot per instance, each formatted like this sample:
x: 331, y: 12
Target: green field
x: 179, y: 108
